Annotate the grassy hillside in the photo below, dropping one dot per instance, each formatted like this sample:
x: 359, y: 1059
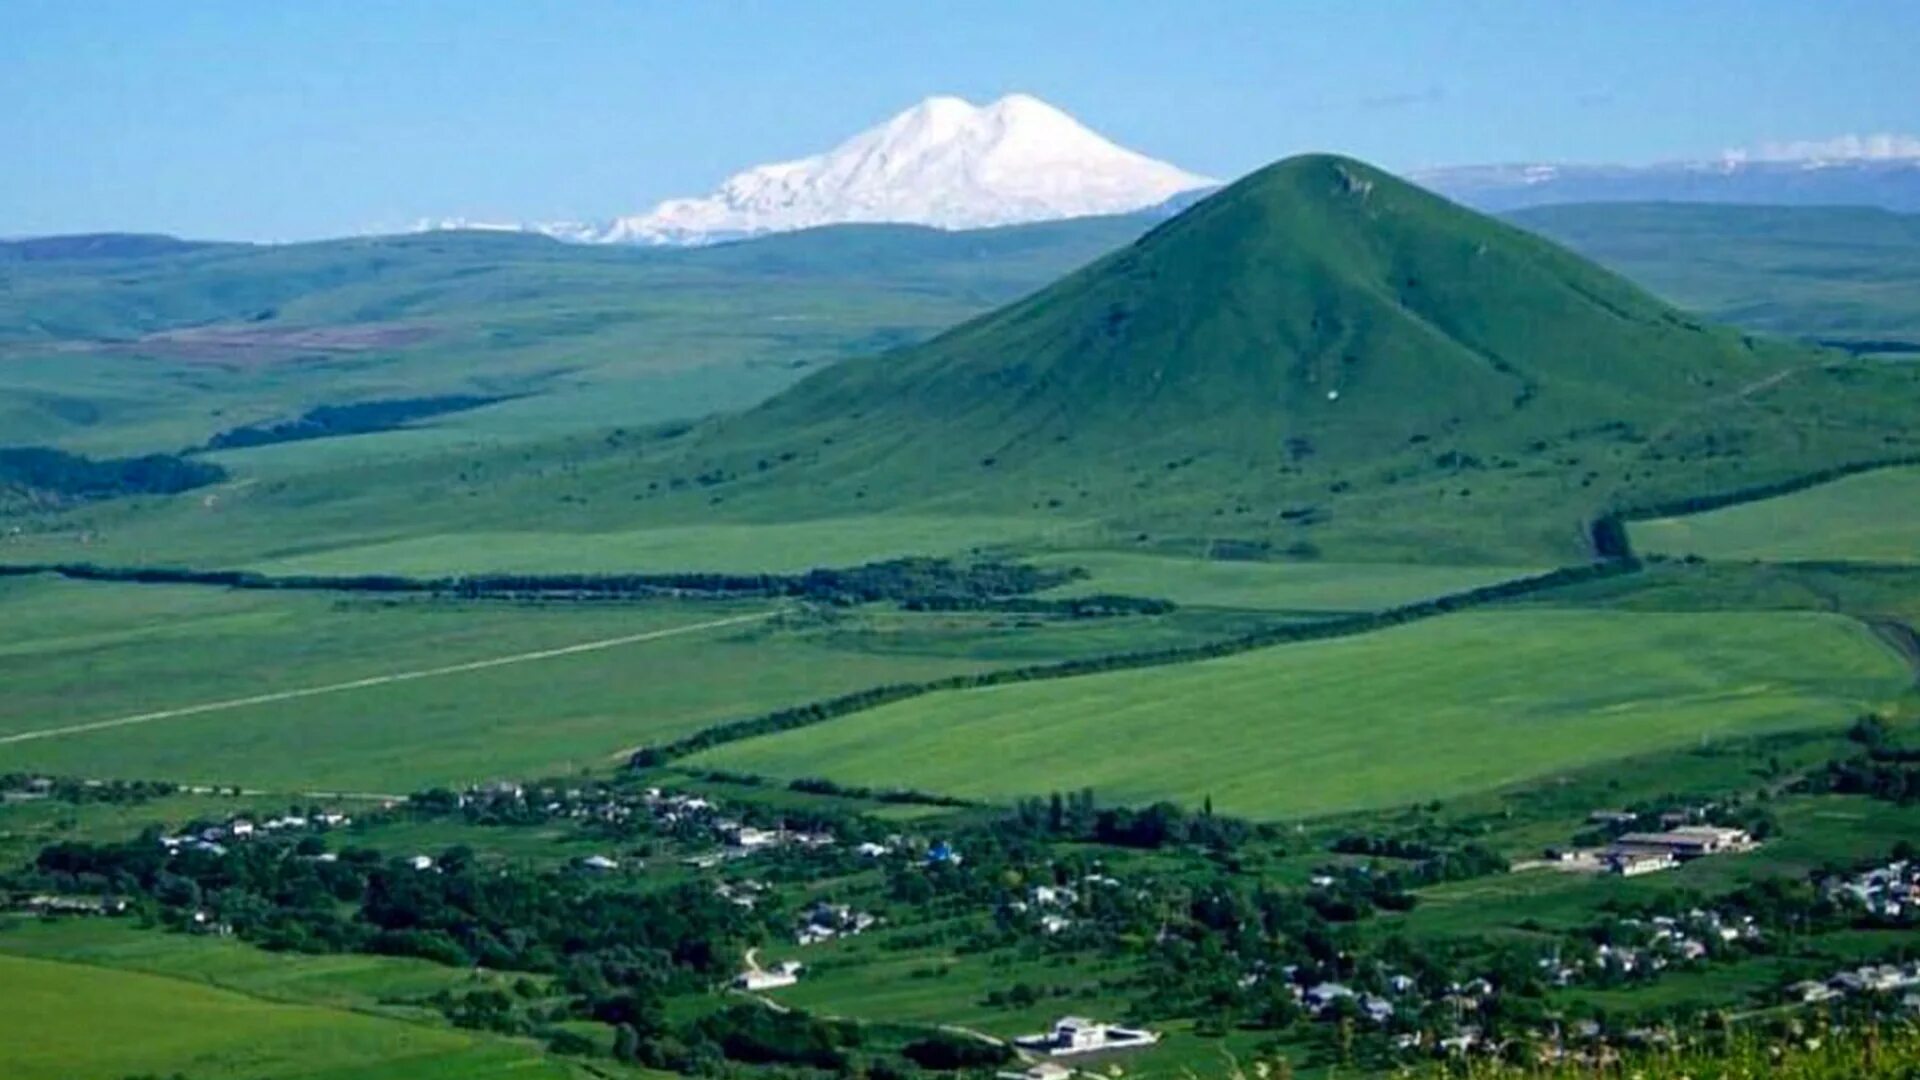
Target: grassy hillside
x: 67, y: 1021
x: 142, y: 347
x: 1847, y: 274
x: 1434, y: 710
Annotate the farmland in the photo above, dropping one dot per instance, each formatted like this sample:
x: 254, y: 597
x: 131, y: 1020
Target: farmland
x: 1272, y: 586
x: 69, y: 1020
x: 1871, y: 517
x: 1329, y: 726
x: 97, y: 653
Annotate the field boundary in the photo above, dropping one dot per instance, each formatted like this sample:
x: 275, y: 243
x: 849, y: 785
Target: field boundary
x: 818, y: 712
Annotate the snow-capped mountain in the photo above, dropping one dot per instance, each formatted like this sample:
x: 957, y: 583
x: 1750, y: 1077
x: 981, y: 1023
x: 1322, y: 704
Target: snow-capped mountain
x: 1872, y: 170
x: 944, y: 163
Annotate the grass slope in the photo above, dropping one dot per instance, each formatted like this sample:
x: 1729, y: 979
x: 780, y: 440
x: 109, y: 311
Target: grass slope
x: 1869, y: 517
x: 72, y: 1022
x: 1433, y: 710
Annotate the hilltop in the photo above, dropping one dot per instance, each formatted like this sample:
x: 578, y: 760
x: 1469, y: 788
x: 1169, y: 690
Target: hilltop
x: 1310, y: 336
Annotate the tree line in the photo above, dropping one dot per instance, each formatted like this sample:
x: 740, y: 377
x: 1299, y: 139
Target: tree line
x: 926, y: 582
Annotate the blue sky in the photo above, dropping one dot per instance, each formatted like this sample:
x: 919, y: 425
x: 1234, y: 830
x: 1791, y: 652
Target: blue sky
x: 296, y: 120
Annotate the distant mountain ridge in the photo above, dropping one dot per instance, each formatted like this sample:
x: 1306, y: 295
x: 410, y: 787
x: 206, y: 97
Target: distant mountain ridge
x: 944, y: 163
x: 1890, y: 181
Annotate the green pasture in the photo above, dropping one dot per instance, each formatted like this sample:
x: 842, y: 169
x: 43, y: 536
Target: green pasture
x: 1432, y: 710
x: 775, y: 547
x: 1869, y: 517
x: 1272, y: 586
x: 89, y: 652
x: 67, y: 1021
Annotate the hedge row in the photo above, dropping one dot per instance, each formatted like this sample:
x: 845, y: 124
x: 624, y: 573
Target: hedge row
x: 909, y: 581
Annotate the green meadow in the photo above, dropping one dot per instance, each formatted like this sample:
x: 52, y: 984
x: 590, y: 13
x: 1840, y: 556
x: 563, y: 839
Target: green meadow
x: 1302, y: 586
x: 67, y: 1021
x: 1869, y: 517
x: 1431, y: 710
x: 773, y: 547
x: 90, y: 653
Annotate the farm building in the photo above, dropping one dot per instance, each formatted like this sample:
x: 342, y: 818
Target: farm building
x: 757, y: 978
x: 1632, y: 863
x: 1690, y: 841
x: 1077, y: 1035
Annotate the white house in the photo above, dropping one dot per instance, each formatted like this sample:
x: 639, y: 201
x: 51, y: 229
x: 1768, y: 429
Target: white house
x: 786, y: 974
x: 1078, y: 1035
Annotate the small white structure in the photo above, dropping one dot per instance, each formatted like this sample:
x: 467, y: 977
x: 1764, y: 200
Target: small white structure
x: 1634, y: 863
x: 421, y: 862
x: 599, y: 863
x: 1077, y: 1035
x: 758, y: 978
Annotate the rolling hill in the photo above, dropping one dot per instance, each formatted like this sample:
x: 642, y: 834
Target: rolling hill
x: 1847, y: 275
x: 1318, y: 334
x: 1320, y: 359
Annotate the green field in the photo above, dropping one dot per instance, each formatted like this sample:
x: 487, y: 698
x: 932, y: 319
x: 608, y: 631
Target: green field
x: 1870, y: 517
x: 74, y: 1022
x: 1436, y: 709
x: 89, y: 653
x: 101, y: 653
x: 1272, y: 586
x: 774, y: 547
x: 340, y: 980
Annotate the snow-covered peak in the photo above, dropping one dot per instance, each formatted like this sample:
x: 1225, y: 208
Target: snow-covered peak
x: 945, y: 163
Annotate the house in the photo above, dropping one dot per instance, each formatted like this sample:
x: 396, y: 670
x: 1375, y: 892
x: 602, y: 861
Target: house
x: 1325, y: 994
x: 871, y: 850
x: 765, y: 980
x: 750, y: 838
x: 1053, y: 924
x: 1812, y: 993
x: 1377, y: 1009
x: 1054, y: 895
x: 1633, y: 863
x: 943, y: 853
x: 1077, y: 1035
x: 758, y: 978
x: 421, y: 862
x: 599, y: 863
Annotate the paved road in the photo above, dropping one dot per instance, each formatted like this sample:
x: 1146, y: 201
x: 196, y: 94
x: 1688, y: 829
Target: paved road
x: 383, y: 680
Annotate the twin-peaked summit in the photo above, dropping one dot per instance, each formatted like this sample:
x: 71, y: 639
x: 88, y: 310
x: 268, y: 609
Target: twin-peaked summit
x: 944, y: 163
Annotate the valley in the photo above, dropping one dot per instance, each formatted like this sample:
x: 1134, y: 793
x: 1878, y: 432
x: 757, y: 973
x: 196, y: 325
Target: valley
x: 1161, y: 621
